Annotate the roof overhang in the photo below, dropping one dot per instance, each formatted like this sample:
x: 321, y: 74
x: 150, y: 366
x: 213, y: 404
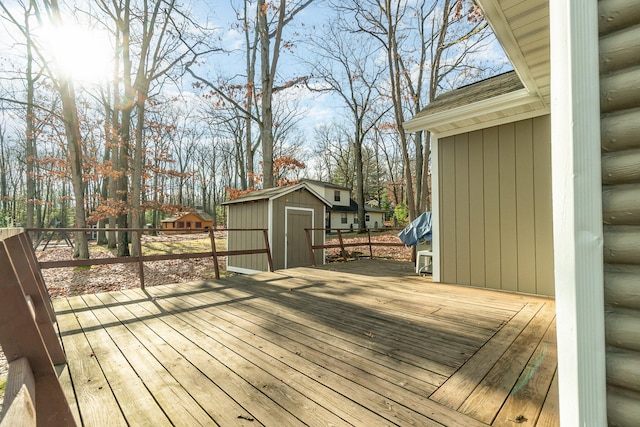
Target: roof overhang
x: 522, y: 29
x: 513, y: 106
x: 299, y: 187
x: 276, y: 193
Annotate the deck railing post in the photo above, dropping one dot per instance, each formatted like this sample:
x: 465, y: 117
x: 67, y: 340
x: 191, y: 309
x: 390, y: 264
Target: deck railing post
x: 342, y: 250
x: 310, y: 243
x: 370, y: 246
x: 140, y: 260
x: 265, y: 233
x: 214, y: 253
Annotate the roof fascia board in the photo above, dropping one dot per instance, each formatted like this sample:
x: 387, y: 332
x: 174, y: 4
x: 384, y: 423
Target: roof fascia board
x: 298, y: 187
x: 493, y: 13
x: 496, y: 122
x: 498, y: 103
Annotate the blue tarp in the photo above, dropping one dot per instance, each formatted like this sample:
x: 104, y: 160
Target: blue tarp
x: 419, y: 228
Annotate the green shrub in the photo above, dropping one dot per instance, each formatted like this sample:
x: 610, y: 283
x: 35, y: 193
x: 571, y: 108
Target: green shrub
x: 401, y: 214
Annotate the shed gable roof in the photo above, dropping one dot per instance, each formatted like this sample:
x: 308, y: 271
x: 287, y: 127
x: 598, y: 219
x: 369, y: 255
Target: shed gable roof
x: 274, y: 193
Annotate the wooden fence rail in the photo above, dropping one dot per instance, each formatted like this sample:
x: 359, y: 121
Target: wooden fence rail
x: 141, y: 258
x: 342, y: 244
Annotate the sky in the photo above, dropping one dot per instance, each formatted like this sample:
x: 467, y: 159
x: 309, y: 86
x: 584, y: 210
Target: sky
x: 83, y: 53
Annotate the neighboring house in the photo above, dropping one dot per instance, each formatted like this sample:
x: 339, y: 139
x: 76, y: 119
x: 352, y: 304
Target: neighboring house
x: 575, y: 102
x: 347, y: 216
x: 344, y: 212
x: 197, y: 220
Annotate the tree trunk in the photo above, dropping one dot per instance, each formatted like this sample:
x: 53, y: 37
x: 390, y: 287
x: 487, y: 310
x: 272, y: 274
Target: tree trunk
x: 251, y: 79
x: 72, y: 128
x: 30, y: 135
x: 266, y: 126
x: 4, y: 194
x: 359, y: 182
x: 125, y: 137
x: 136, y: 184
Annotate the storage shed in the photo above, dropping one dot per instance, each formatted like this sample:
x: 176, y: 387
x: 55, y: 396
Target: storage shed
x: 285, y: 212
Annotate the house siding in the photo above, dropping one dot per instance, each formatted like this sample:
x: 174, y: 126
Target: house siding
x: 619, y: 102
x: 495, y: 210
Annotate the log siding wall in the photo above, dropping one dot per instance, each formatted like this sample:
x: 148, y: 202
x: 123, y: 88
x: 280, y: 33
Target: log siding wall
x: 620, y: 130
x: 496, y: 218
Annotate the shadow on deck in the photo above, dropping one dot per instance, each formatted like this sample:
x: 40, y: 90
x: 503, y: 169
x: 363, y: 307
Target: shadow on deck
x: 362, y: 343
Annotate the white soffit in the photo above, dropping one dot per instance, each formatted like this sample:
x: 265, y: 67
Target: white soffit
x: 522, y: 28
x: 513, y: 106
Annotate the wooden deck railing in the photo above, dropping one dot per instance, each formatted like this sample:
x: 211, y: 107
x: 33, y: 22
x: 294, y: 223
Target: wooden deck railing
x: 33, y: 396
x: 141, y: 258
x: 342, y: 244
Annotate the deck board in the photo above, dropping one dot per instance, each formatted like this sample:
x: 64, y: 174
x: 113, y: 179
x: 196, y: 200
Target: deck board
x: 362, y: 343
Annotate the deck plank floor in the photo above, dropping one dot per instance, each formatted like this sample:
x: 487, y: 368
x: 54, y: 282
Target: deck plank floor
x: 366, y: 343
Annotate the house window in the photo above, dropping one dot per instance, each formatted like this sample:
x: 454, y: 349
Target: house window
x: 198, y: 224
x: 366, y: 218
x: 336, y: 196
x: 180, y: 224
x: 343, y: 219
x: 355, y: 219
x: 188, y: 224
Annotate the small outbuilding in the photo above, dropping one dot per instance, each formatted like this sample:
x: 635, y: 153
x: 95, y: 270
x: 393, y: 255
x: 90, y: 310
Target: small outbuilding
x: 197, y: 220
x: 285, y: 212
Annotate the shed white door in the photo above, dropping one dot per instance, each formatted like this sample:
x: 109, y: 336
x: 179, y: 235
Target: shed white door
x: 296, y: 247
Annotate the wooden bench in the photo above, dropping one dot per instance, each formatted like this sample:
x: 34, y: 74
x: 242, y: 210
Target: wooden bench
x: 33, y: 395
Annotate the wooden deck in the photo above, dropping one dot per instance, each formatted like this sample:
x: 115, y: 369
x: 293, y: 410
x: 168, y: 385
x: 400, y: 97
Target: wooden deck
x: 367, y: 343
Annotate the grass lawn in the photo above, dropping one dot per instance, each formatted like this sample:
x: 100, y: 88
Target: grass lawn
x: 182, y: 246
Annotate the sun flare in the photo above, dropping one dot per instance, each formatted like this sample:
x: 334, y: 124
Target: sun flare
x: 81, y: 53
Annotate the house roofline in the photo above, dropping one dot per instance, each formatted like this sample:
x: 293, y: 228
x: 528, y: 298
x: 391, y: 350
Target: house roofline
x: 298, y: 187
x: 504, y: 102
x: 283, y: 192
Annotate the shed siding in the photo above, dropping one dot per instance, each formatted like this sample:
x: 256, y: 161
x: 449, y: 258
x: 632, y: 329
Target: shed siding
x: 248, y: 215
x: 619, y: 101
x: 495, y: 188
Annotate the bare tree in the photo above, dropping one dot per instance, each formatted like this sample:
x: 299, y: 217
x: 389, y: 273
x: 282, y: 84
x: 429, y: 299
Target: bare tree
x: 154, y: 39
x: 65, y: 87
x: 425, y: 43
x: 271, y: 20
x: 347, y: 66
